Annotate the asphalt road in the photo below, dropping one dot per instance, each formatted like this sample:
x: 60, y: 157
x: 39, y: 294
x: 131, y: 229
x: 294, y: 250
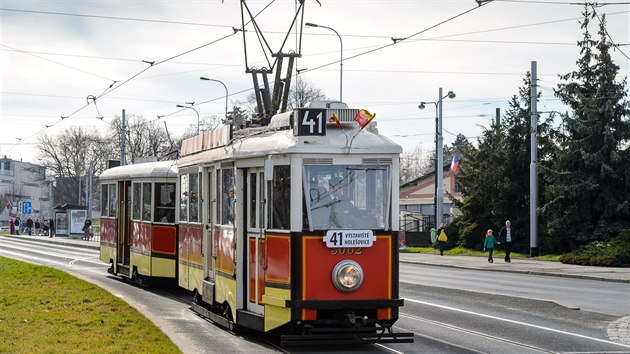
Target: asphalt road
x: 450, y: 311
x: 612, y: 298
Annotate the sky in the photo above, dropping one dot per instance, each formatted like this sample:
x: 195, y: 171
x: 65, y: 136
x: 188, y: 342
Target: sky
x: 56, y: 55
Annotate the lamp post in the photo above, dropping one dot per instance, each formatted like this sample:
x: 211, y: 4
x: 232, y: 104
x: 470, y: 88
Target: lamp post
x: 439, y: 163
x: 308, y: 24
x: 182, y: 106
x: 226, y: 93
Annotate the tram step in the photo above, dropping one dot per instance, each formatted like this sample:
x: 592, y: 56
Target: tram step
x: 332, y: 336
x: 218, y: 319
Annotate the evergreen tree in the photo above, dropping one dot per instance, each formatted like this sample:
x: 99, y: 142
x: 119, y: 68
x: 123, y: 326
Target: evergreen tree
x: 478, y: 180
x: 589, y: 191
x: 495, y: 176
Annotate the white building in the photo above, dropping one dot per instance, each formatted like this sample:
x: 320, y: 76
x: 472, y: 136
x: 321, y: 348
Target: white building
x: 24, y: 191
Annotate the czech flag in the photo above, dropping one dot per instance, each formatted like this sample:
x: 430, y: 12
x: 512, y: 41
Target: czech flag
x: 454, y: 163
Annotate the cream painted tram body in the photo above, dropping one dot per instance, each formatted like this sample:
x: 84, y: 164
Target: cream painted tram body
x: 291, y: 228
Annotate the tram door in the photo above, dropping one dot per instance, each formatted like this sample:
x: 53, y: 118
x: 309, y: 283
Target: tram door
x: 255, y: 269
x: 124, y: 217
x: 209, y: 205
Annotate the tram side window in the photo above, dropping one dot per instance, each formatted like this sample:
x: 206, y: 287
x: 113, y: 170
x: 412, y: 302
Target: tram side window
x: 112, y: 200
x: 136, y: 201
x: 164, y: 203
x: 104, y: 204
x: 227, y: 196
x: 183, y: 198
x: 146, y: 201
x: 280, y: 208
x: 193, y: 209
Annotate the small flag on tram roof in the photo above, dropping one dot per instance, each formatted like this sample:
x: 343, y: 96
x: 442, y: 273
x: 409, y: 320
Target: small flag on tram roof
x: 454, y: 163
x: 364, y: 117
x: 335, y: 119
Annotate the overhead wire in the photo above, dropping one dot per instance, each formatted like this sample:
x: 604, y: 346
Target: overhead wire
x: 408, y: 37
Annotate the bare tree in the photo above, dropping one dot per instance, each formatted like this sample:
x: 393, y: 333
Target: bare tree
x: 73, y: 152
x: 143, y: 138
x: 413, y: 165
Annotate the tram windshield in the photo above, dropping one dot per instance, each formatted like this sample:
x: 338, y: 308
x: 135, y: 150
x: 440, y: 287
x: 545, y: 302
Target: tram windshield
x: 346, y: 197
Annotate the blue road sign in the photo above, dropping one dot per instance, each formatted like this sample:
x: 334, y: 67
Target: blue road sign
x: 27, y: 208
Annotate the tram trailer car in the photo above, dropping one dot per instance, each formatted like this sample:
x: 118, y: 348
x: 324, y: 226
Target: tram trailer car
x: 138, y: 229
x: 288, y: 229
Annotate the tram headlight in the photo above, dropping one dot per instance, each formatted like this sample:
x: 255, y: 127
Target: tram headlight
x: 347, y: 276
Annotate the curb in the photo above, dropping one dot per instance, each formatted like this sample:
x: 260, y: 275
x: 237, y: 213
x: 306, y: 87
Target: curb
x: 45, y: 239
x: 529, y: 272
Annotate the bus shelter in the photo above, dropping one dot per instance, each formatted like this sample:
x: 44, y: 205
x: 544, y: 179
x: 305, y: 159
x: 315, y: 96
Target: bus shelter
x: 69, y: 220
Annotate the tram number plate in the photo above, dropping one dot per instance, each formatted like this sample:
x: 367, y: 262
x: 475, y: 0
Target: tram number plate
x: 349, y: 238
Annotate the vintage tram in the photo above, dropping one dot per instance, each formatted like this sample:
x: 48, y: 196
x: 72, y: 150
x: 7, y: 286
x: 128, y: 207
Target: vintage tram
x: 289, y: 228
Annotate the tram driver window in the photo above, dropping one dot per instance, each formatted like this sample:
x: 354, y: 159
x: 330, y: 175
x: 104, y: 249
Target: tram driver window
x: 280, y: 208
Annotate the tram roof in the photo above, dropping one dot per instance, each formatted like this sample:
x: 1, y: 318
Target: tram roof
x: 158, y: 169
x: 259, y: 142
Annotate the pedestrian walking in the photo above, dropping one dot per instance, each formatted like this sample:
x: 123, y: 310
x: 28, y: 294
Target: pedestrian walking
x: 441, y: 239
x: 52, y: 227
x: 505, y: 237
x: 488, y: 244
x: 38, y: 228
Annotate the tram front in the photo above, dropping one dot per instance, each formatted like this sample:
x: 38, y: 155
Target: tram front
x: 347, y: 250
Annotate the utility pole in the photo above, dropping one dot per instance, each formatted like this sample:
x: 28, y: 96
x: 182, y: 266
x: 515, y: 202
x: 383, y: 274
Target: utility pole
x: 498, y: 116
x: 440, y: 166
x: 123, y: 128
x: 533, y: 169
x: 89, y: 193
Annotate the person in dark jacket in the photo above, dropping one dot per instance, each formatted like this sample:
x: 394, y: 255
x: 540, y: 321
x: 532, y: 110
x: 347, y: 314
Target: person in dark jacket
x: 52, y: 227
x: 506, y: 235
x: 29, y: 226
x: 87, y: 229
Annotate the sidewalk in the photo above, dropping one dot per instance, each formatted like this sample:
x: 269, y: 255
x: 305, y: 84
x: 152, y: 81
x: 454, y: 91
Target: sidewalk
x: 520, y: 265
x: 94, y: 243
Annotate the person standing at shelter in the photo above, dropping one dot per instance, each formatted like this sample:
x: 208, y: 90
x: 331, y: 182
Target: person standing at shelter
x: 506, y: 236
x: 17, y: 225
x: 11, y: 227
x: 87, y: 229
x: 38, y: 228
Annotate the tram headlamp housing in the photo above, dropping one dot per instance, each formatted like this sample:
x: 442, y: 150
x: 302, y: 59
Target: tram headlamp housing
x: 347, y: 276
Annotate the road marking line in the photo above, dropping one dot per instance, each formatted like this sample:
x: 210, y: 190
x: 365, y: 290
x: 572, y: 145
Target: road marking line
x: 515, y: 322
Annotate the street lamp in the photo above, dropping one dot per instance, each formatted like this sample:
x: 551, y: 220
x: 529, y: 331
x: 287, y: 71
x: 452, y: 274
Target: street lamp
x: 439, y: 163
x: 182, y: 106
x: 308, y: 24
x: 226, y: 93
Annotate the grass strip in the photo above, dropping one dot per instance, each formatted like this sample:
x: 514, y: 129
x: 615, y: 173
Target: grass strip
x: 45, y: 310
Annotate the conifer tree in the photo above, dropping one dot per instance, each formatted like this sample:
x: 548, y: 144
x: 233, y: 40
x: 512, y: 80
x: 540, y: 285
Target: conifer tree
x: 589, y: 191
x: 495, y: 176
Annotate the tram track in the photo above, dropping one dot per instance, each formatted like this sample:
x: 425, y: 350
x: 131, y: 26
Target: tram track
x: 478, y: 334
